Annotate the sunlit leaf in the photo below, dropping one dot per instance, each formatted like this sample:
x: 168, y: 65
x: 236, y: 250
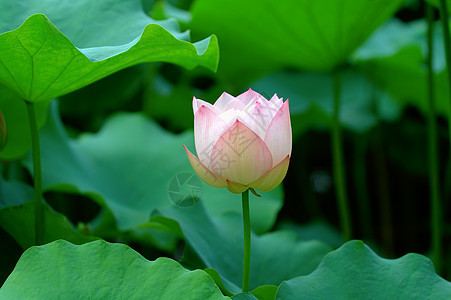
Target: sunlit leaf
x: 50, y: 55
x: 100, y: 270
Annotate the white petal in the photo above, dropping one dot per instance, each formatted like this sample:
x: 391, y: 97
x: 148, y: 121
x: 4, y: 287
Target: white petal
x: 230, y: 116
x: 236, y: 104
x: 197, y: 103
x: 208, y: 127
x: 278, y: 136
x: 208, y: 176
x: 250, y: 96
x: 240, y: 155
x: 223, y: 101
x: 276, y: 101
x: 272, y: 178
x: 258, y: 116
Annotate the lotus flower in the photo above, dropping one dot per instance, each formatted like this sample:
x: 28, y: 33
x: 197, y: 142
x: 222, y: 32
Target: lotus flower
x: 3, y: 132
x: 242, y: 143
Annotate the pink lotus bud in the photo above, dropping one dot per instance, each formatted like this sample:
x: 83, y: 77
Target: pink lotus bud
x: 3, y: 132
x: 242, y: 142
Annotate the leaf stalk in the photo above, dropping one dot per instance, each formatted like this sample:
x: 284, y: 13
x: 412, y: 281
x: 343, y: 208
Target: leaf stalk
x: 37, y: 175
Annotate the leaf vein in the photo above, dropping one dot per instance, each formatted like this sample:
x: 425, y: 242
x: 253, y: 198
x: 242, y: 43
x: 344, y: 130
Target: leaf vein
x: 57, y: 76
x: 12, y: 76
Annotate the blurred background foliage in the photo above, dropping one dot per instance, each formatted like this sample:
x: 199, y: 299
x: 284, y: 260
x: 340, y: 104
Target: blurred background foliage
x: 271, y: 48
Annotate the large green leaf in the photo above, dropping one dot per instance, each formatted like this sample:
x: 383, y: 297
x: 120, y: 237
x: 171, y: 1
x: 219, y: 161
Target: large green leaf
x: 17, y: 217
x: 275, y: 256
x: 129, y: 165
x: 41, y: 60
x: 100, y: 270
x: 14, y: 111
x: 394, y: 35
x: 394, y: 59
x: 311, y: 100
x: 356, y: 272
x: 261, y: 35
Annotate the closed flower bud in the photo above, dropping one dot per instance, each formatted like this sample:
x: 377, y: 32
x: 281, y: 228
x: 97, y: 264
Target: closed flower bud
x: 242, y: 143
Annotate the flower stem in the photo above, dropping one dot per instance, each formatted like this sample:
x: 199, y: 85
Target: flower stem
x: 445, y: 28
x: 436, y: 218
x: 247, y: 241
x: 37, y: 176
x: 338, y: 166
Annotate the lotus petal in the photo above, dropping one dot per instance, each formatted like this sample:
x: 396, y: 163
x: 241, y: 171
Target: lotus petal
x: 208, y: 176
x: 240, y: 155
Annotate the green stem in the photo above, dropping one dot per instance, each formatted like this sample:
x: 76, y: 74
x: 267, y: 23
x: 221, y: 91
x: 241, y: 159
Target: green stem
x: 247, y: 241
x: 436, y: 228
x: 445, y: 27
x: 338, y: 166
x: 37, y: 176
